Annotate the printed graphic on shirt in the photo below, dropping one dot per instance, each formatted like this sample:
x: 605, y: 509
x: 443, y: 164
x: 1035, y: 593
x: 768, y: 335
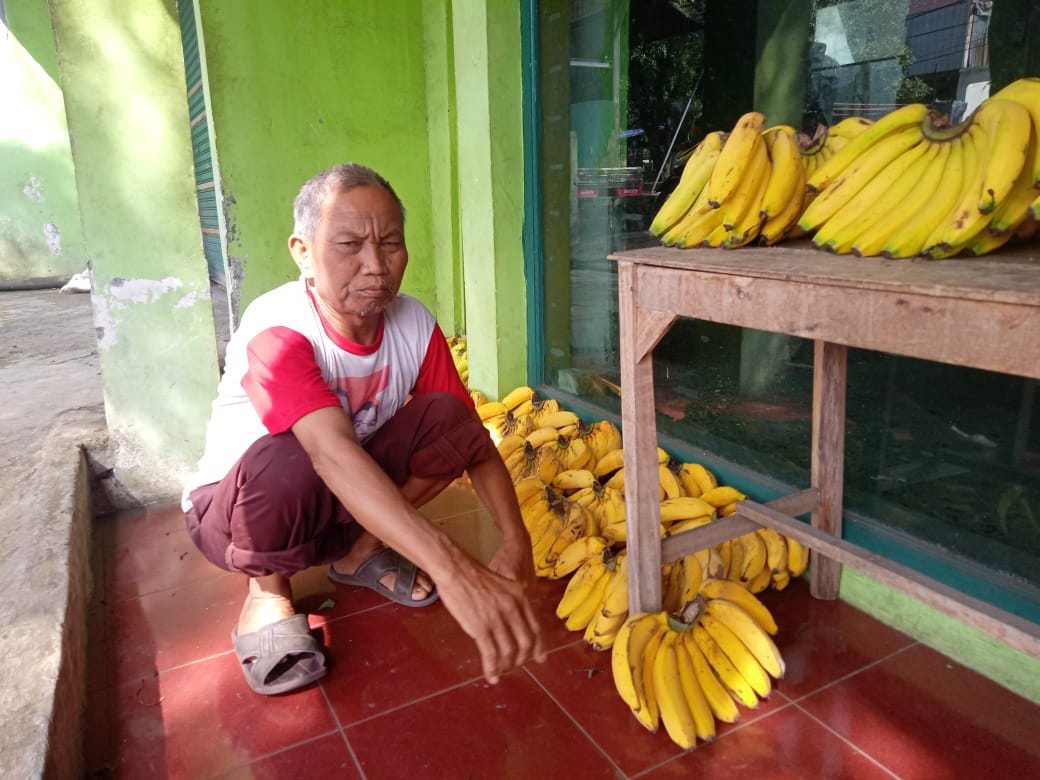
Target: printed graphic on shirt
x: 361, y: 396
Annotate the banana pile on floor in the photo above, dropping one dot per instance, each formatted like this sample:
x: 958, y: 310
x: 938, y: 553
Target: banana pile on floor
x: 710, y: 648
x: 908, y: 184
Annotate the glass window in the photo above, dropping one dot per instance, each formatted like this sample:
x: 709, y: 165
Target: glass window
x: 942, y: 461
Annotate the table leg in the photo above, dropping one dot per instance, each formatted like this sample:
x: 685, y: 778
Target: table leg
x: 828, y: 458
x: 642, y: 483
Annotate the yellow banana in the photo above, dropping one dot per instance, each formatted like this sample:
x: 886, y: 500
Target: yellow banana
x: 696, y: 479
x: 638, y: 640
x: 781, y: 579
x: 1009, y: 128
x: 529, y: 489
x: 746, y: 198
x: 606, y: 631
x: 582, y: 615
x: 580, y: 586
x: 676, y: 713
x: 753, y: 636
x: 711, y: 562
x: 732, y: 551
x: 573, y: 479
x: 747, y: 227
x: 722, y: 704
x: 478, y: 397
x: 755, y: 557
x: 603, y: 436
x: 684, y: 508
x: 912, y: 235
x: 692, y: 578
x: 615, y: 601
x: 722, y: 495
x: 776, y: 549
x: 695, y: 175
x: 695, y: 230
x: 875, y: 199
x: 680, y: 526
x: 849, y: 128
x: 609, y: 462
x: 737, y: 652
x: 1014, y: 209
x: 857, y: 174
x: 964, y: 219
x: 543, y: 407
x: 577, y: 553
x: 491, y: 409
x: 787, y: 177
x: 734, y: 158
x: 670, y: 486
x: 900, y: 119
x: 510, y: 444
x: 517, y: 396
x: 541, y: 436
x: 797, y: 557
x: 985, y: 242
x: 693, y: 692
x: 1026, y: 91
x: 716, y: 588
x: 573, y: 454
x: 560, y: 419
x: 698, y: 207
x: 726, y: 670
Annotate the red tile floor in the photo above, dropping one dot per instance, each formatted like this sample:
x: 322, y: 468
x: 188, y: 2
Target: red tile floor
x: 404, y: 697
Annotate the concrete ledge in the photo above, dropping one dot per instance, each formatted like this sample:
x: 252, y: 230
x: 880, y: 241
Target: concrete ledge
x: 53, y: 413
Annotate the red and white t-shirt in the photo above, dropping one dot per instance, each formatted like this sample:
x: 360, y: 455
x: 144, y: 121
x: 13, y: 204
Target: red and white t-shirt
x: 284, y: 362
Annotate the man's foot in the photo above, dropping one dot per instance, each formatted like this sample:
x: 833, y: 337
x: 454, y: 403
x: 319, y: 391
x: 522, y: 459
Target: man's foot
x: 269, y: 600
x: 364, y: 550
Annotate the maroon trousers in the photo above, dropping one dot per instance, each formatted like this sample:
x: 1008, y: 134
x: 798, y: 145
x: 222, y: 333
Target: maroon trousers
x: 272, y: 513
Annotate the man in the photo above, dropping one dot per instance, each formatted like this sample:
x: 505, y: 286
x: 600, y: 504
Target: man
x: 339, y: 413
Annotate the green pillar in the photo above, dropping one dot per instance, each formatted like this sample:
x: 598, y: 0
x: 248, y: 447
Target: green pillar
x: 491, y: 196
x: 122, y: 75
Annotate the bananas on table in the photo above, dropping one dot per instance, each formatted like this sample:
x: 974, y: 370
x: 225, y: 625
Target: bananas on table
x: 907, y: 184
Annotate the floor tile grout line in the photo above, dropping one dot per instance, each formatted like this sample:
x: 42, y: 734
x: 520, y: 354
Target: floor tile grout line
x: 279, y: 751
x: 342, y: 731
x: 737, y: 727
x: 577, y: 725
x: 406, y: 705
x: 852, y: 674
x: 847, y: 741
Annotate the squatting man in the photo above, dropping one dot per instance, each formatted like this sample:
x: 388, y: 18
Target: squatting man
x: 339, y: 413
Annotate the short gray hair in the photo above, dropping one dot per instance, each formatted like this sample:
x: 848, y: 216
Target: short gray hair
x: 339, y: 178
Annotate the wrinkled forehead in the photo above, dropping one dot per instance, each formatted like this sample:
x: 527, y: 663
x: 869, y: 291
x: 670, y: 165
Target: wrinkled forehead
x: 362, y: 207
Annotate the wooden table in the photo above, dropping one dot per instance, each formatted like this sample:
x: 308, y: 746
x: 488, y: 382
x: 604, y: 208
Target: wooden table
x: 982, y: 313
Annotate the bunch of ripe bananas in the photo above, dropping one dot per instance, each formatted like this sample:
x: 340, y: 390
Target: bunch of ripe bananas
x: 460, y: 356
x: 911, y: 184
x: 908, y: 184
x: 570, y: 485
x: 691, y: 669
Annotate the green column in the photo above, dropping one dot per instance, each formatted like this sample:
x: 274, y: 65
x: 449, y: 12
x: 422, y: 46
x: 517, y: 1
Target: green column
x: 122, y: 74
x: 491, y: 202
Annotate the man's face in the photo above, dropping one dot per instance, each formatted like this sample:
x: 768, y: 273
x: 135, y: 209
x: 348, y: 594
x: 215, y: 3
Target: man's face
x: 358, y: 256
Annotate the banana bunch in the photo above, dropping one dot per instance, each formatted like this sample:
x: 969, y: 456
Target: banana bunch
x: 689, y: 670
x: 912, y: 184
x: 596, y: 598
x: 460, y: 356
x: 554, y: 522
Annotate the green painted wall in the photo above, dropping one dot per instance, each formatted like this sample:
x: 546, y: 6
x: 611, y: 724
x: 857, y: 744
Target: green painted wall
x: 122, y: 75
x: 40, y: 233
x: 297, y: 87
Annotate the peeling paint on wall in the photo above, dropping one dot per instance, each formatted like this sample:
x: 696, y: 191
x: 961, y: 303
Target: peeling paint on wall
x: 53, y: 238
x: 141, y: 290
x: 33, y: 190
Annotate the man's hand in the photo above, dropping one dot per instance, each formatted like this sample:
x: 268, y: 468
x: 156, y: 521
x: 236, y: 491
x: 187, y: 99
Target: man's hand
x: 494, y: 610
